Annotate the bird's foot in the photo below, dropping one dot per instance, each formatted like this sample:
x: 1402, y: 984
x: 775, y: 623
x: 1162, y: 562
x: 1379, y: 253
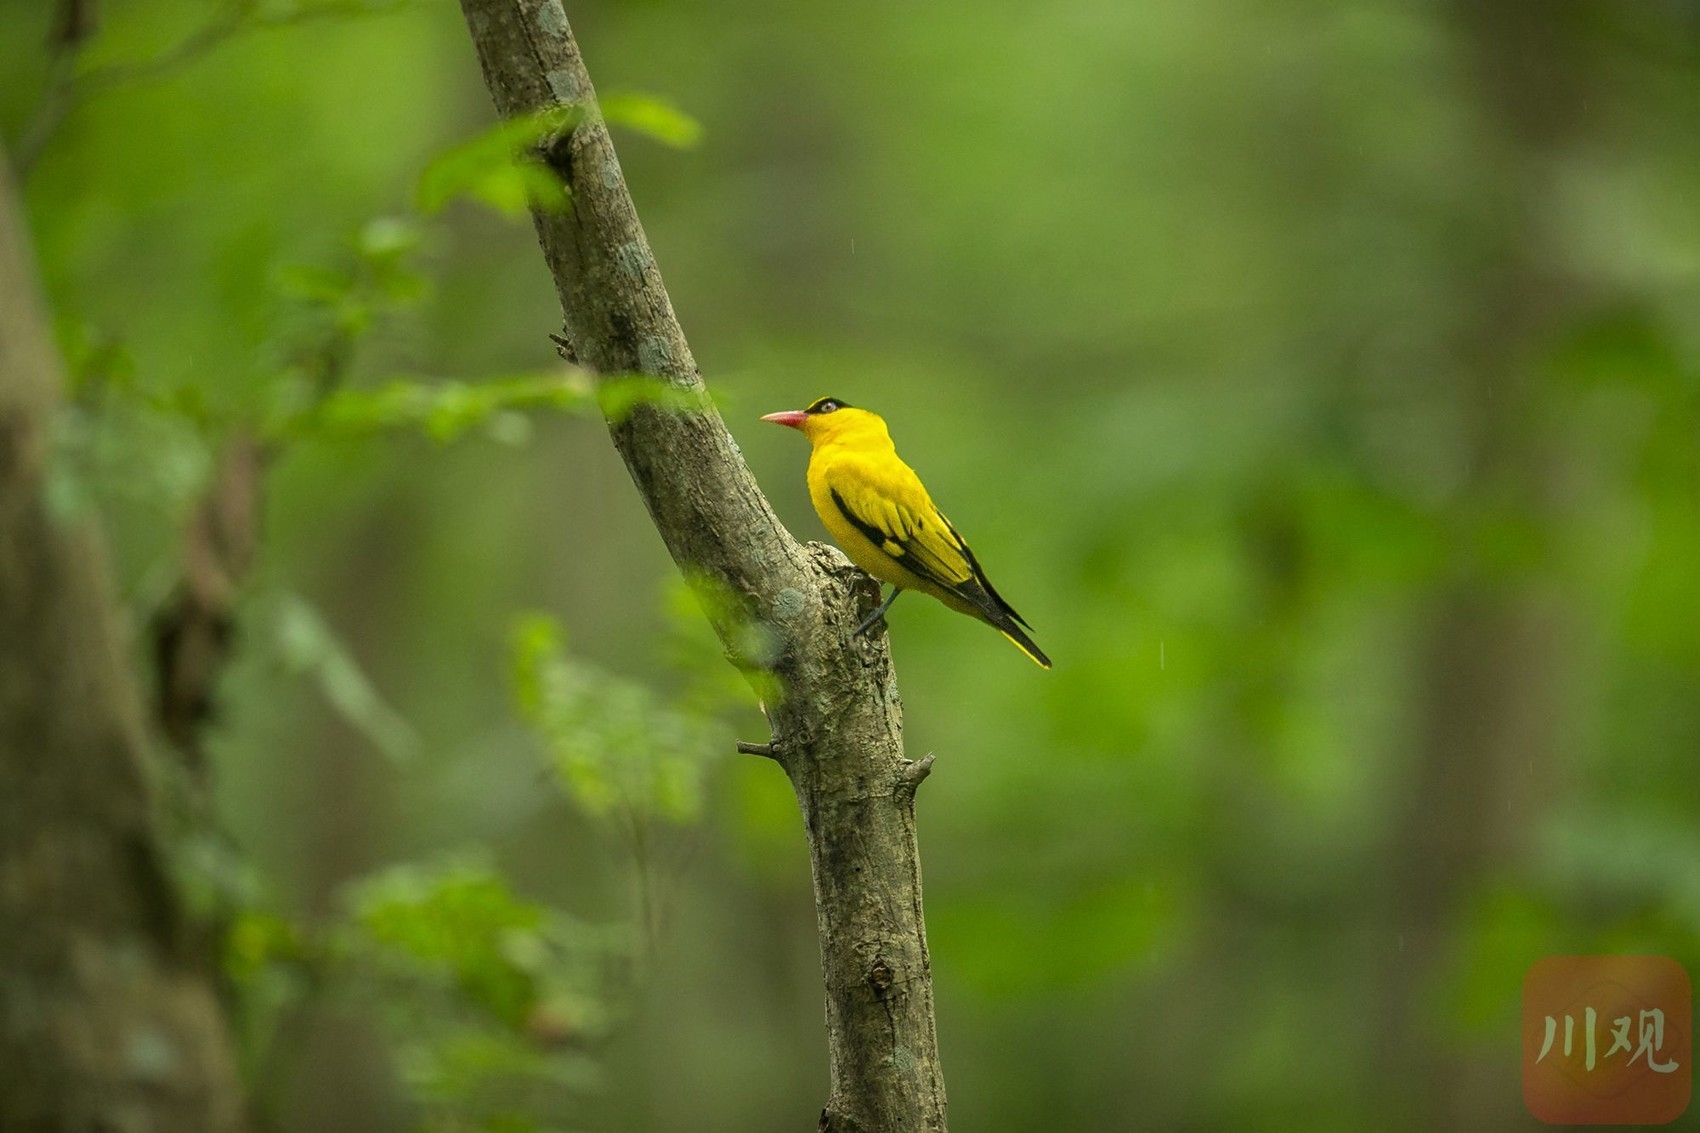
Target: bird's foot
x: 879, y: 613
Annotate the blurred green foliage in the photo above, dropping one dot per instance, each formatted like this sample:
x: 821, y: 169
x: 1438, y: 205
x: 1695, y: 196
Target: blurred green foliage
x: 493, y: 1005
x: 1323, y: 381
x: 306, y: 645
x: 501, y: 168
x: 617, y: 747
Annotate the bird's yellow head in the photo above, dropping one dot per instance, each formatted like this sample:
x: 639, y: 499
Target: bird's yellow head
x: 829, y: 421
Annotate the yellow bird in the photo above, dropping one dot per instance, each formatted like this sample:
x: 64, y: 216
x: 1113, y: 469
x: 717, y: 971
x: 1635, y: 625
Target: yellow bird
x: 877, y: 509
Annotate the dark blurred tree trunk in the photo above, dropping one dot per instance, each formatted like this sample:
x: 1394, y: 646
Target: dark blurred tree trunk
x: 195, y: 633
x: 782, y: 609
x: 1492, y: 657
x: 107, y: 1020
x: 344, y: 1080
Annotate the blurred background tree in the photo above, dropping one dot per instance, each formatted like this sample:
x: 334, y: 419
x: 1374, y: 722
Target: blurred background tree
x: 1322, y: 379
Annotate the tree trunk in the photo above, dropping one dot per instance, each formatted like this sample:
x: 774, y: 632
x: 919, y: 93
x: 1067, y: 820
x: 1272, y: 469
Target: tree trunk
x: 106, y: 1021
x: 1494, y: 658
x: 784, y: 611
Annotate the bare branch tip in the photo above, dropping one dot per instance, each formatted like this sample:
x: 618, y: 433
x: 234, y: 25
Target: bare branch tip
x: 917, y: 770
x: 770, y: 750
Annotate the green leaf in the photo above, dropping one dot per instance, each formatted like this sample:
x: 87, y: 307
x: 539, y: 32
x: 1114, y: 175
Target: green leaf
x: 535, y: 641
x: 308, y: 646
x: 461, y: 920
x: 443, y: 410
x: 501, y: 167
x: 695, y: 604
x: 387, y: 238
x: 488, y: 997
x: 94, y: 358
x: 256, y: 940
x: 615, y: 745
x: 652, y: 116
x: 619, y: 396
x: 384, y: 246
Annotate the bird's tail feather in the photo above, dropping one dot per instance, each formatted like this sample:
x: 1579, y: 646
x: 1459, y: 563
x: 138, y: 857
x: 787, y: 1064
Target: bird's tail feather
x: 1024, y: 643
x: 979, y: 599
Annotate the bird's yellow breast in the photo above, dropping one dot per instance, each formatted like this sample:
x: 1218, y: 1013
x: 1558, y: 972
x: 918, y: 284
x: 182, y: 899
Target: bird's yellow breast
x: 828, y: 472
x: 855, y: 467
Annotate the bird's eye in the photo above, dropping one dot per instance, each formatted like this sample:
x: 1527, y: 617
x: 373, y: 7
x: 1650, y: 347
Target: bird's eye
x: 828, y: 406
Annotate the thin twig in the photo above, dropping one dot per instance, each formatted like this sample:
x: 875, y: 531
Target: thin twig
x: 65, y: 89
x: 73, y: 25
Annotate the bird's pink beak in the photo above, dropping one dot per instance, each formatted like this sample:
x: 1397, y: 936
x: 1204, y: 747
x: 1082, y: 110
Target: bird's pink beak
x: 791, y: 417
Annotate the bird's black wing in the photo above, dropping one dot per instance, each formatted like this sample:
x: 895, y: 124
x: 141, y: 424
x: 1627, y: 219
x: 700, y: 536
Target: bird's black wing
x: 932, y: 550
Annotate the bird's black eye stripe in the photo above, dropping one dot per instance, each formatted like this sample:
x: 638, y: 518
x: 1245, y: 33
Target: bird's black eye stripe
x: 826, y: 405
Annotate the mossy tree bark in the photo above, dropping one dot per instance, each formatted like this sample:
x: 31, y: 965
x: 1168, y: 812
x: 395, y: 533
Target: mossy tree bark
x: 781, y: 608
x: 107, y: 1017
